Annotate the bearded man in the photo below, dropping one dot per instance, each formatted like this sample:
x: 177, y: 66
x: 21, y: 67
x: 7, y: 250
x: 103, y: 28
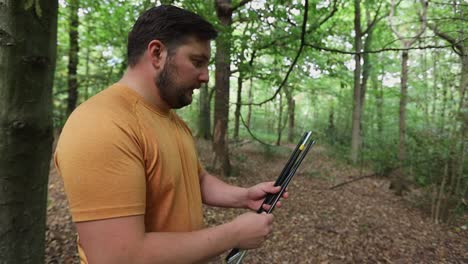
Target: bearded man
x: 129, y: 163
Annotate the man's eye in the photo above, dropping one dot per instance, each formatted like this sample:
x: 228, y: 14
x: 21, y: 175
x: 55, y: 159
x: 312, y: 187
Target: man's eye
x: 198, y: 63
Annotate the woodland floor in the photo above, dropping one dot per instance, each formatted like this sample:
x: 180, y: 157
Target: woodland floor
x: 361, y: 222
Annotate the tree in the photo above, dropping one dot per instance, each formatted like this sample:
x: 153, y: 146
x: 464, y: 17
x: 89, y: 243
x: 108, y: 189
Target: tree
x: 28, y: 32
x: 357, y: 104
x: 73, y: 56
x: 222, y: 74
x: 224, y: 10
x: 457, y: 147
x: 399, y: 181
x: 204, y: 123
x: 361, y: 71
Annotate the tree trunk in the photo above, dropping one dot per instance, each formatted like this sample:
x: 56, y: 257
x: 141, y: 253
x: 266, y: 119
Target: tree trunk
x: 73, y: 57
x: 443, y: 108
x: 249, y: 113
x: 426, y: 97
x: 238, y: 107
x: 331, y: 125
x: 357, y: 104
x: 222, y: 74
x: 379, y: 100
x: 403, y: 100
x: 434, y: 89
x: 400, y: 180
x: 27, y: 62
x: 204, y: 118
x: 280, y: 119
x: 463, y: 116
x: 291, y: 106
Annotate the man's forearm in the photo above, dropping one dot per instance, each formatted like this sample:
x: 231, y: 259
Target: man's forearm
x: 123, y: 240
x: 188, y: 247
x: 218, y: 193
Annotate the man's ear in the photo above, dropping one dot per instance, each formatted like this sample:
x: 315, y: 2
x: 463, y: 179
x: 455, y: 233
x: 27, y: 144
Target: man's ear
x: 157, y: 52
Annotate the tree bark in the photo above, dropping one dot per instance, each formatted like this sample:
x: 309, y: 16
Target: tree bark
x: 222, y: 74
x: 291, y: 118
x: 434, y: 88
x: 463, y: 116
x: 357, y: 106
x: 204, y: 117
x: 28, y: 36
x: 238, y: 107
x: 331, y: 131
x: 403, y: 100
x: 378, y: 87
x: 280, y: 119
x: 73, y: 57
x: 249, y: 108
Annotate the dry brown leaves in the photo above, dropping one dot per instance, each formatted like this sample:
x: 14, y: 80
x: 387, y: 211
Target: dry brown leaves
x: 362, y: 222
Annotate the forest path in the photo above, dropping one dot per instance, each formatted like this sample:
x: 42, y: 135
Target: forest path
x: 361, y: 222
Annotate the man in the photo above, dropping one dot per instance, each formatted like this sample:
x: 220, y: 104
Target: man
x: 129, y: 164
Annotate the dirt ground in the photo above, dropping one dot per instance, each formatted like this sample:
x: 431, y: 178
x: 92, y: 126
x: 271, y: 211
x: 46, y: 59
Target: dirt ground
x: 361, y: 222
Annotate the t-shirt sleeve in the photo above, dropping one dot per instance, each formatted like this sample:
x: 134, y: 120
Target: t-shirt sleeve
x: 102, y: 167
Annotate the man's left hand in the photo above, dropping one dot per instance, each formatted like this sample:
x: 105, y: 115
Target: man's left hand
x: 257, y: 193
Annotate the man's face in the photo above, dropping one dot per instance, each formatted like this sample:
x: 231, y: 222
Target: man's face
x: 185, y: 69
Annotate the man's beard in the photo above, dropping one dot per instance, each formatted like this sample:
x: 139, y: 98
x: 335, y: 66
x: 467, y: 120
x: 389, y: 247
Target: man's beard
x: 175, y: 96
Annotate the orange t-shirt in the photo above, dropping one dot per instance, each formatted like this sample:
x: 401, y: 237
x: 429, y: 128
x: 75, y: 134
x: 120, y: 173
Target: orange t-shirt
x: 119, y: 156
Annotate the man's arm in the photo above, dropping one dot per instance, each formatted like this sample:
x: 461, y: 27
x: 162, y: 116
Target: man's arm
x: 123, y: 240
x: 218, y: 193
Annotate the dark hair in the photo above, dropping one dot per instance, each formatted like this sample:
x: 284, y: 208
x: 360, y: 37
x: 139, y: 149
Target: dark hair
x: 170, y: 25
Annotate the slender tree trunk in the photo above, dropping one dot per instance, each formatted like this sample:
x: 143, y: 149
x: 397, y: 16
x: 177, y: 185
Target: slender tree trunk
x: 249, y: 113
x: 331, y: 125
x: 379, y: 103
x: 280, y: 119
x: 403, y: 101
x: 73, y: 57
x: 356, y: 118
x: 87, y: 81
x: 463, y: 116
x: 238, y: 107
x: 443, y: 109
x: 434, y: 88
x: 366, y: 68
x: 222, y: 74
x: 426, y: 90
x: 28, y: 36
x: 204, y: 119
x: 291, y: 106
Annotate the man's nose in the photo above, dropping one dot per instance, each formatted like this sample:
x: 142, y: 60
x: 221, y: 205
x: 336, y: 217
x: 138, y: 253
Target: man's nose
x: 204, y: 75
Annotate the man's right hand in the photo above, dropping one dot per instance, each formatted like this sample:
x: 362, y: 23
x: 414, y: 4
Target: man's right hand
x: 252, y: 229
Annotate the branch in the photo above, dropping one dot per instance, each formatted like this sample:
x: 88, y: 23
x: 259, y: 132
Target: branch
x: 301, y: 47
x: 352, y: 180
x: 288, y: 36
x: 446, y: 3
x: 422, y: 17
x: 392, y: 26
x: 252, y: 135
x: 377, y: 51
x: 374, y: 21
x: 457, y: 44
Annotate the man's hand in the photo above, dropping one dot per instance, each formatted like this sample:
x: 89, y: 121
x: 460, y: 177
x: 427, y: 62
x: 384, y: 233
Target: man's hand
x: 252, y: 229
x: 257, y: 193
